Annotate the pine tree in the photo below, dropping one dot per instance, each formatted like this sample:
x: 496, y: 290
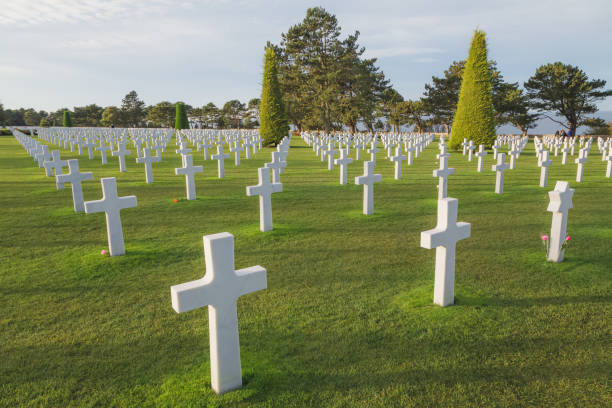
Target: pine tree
x: 181, y: 121
x: 273, y: 116
x: 475, y: 116
x: 66, y: 119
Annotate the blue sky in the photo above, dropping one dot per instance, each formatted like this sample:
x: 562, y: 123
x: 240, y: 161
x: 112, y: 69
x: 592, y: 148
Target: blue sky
x: 75, y: 52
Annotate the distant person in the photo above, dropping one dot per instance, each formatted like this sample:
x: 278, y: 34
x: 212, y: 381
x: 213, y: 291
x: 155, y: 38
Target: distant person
x: 557, y: 133
x: 570, y: 133
x: 563, y: 134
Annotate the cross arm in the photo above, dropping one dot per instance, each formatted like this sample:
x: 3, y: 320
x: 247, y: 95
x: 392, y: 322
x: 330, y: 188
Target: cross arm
x: 251, y: 279
x: 95, y: 206
x: 192, y: 295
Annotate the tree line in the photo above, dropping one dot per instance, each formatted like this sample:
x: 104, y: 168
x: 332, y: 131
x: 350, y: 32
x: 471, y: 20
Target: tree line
x: 326, y: 83
x: 133, y: 112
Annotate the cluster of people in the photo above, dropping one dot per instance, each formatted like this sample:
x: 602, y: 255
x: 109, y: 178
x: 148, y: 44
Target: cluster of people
x: 563, y: 133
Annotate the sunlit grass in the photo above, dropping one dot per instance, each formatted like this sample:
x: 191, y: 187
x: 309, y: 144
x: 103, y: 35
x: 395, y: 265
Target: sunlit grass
x: 347, y: 319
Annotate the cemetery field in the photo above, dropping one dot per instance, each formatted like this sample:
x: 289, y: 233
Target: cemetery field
x: 347, y: 319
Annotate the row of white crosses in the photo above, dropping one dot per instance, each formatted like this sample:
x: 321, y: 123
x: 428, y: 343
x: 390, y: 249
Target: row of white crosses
x: 155, y: 141
x: 222, y: 285
x: 111, y: 204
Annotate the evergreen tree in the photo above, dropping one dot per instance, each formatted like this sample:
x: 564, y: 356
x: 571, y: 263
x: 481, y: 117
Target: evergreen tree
x: 181, y: 121
x: 273, y: 117
x: 132, y: 110
x: 66, y: 119
x: 475, y: 116
x: 562, y: 91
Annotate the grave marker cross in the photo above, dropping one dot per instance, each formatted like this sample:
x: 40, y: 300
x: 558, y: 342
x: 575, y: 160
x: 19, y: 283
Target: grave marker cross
x: 444, y: 238
x: 220, y: 157
x: 56, y: 163
x: 111, y: 204
x: 147, y: 159
x: 343, y: 162
x: 75, y: 177
x: 500, y: 167
x: 219, y: 289
x: 264, y: 189
x: 368, y: 179
x: 189, y: 171
x: 560, y: 204
x: 121, y: 153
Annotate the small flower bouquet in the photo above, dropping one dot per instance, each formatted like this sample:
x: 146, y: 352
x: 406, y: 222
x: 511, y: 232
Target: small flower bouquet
x: 546, y: 242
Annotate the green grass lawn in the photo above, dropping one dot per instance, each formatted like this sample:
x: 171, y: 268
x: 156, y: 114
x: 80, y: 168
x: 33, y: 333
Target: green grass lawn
x: 347, y: 319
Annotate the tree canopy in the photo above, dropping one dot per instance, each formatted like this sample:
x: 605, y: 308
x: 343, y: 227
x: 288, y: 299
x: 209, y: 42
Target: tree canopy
x: 562, y: 90
x: 324, y: 80
x: 273, y: 117
x: 475, y: 115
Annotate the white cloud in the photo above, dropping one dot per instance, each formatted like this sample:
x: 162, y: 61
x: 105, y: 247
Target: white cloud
x: 29, y: 12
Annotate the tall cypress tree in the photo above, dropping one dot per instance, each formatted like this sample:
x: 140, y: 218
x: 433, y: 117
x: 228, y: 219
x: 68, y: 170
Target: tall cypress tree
x: 475, y: 115
x: 180, y: 120
x: 272, y: 114
x: 66, y: 119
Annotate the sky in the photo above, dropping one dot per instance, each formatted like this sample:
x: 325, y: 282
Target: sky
x: 66, y: 53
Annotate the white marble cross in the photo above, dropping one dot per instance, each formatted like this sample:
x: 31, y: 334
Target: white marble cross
x: 220, y: 289
x: 56, y: 163
x: 444, y: 238
x: 331, y: 152
x: 582, y: 158
x: 398, y: 158
x: 264, y: 189
x: 465, y: 144
x: 514, y: 154
x: 564, y: 150
x: 276, y: 165
x: 358, y: 146
x: 559, y: 205
x: 103, y: 148
x: 609, y: 165
x: 43, y: 155
x: 471, y: 147
x: 220, y: 157
x: 410, y: 150
x: 137, y: 144
x: 90, y: 146
x: 75, y: 177
x: 236, y: 150
x: 121, y: 153
x: 206, y: 145
x: 147, y: 159
x: 373, y: 150
x: 544, y: 163
x: 189, y: 171
x: 158, y: 147
x: 112, y: 204
x: 368, y: 179
x: 500, y: 167
x: 495, y: 150
x: 480, y: 154
x: 343, y: 162
x: 443, y: 172
x: 183, y: 151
